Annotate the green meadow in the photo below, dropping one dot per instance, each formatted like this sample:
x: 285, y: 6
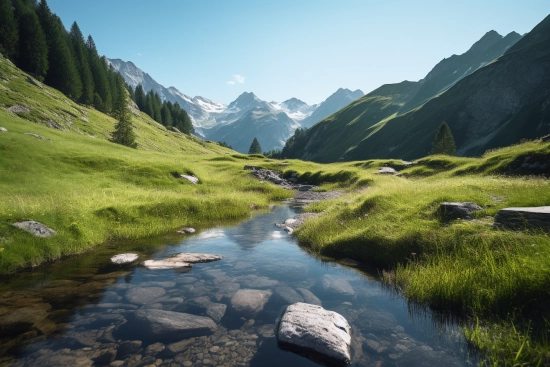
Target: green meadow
x: 91, y: 190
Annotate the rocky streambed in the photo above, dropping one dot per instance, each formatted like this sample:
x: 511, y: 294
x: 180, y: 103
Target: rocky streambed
x: 220, y: 313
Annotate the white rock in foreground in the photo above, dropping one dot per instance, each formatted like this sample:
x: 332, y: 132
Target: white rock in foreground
x: 124, y: 258
x: 36, y: 228
x: 316, y: 333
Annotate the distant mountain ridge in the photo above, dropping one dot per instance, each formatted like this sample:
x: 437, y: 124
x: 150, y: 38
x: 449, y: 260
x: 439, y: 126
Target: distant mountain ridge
x: 266, y: 123
x: 198, y: 108
x: 376, y: 125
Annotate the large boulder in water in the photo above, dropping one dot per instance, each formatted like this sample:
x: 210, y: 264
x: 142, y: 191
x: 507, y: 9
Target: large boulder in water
x: 320, y: 335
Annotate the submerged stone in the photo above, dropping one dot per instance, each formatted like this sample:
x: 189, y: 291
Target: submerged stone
x: 169, y: 326
x: 338, y: 285
x: 318, y: 334
x: 249, y: 302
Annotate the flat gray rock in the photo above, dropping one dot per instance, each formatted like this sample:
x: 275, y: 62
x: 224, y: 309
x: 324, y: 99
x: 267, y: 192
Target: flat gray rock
x: 524, y: 218
x: 334, y: 284
x: 124, y: 258
x: 249, y: 302
x: 315, y: 333
x: 172, y: 326
x: 195, y: 257
x: 36, y: 228
x: 387, y: 171
x: 457, y: 210
x: 3, y: 129
x: 166, y: 264
x: 144, y: 295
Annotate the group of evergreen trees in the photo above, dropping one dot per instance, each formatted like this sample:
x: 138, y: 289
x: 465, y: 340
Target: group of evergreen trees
x: 35, y: 39
x: 166, y: 113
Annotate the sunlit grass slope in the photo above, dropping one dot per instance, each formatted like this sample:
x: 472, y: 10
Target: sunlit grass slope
x: 89, y: 189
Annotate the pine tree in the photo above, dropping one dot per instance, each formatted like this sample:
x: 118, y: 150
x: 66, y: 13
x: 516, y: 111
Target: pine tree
x: 9, y: 32
x: 80, y: 54
x: 255, y: 147
x: 124, y: 131
x: 444, y: 142
x: 62, y: 72
x: 166, y: 115
x: 98, y: 68
x: 33, y: 49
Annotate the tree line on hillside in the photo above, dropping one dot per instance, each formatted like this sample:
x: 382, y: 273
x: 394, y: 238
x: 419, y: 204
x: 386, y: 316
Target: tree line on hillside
x: 167, y: 113
x: 35, y: 40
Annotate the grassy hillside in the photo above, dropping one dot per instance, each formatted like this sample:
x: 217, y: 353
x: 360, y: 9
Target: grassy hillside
x: 90, y: 190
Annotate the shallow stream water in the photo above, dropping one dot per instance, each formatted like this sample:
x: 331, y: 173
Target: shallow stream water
x: 81, y: 316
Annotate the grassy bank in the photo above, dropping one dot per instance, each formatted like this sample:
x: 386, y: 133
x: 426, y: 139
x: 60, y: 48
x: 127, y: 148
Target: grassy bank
x: 90, y: 190
x: 500, y: 277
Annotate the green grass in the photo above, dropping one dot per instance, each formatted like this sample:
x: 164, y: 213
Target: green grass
x: 90, y: 190
x: 465, y: 267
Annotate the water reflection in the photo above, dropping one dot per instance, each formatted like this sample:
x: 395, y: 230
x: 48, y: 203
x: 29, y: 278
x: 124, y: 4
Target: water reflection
x: 89, y: 315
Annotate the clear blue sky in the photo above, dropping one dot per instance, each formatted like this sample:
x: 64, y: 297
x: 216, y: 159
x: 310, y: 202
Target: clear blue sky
x: 290, y: 48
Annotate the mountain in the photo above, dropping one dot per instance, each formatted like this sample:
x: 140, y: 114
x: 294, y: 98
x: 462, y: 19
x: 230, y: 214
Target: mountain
x: 340, y: 98
x: 449, y: 71
x: 376, y: 125
x: 200, y: 109
x: 271, y: 127
x: 295, y: 109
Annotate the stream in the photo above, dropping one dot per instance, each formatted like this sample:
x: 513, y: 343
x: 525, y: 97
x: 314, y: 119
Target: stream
x: 83, y: 315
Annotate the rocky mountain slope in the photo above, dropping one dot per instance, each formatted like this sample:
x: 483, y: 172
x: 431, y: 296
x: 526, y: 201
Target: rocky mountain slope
x: 342, y: 97
x: 347, y: 133
x: 201, y: 110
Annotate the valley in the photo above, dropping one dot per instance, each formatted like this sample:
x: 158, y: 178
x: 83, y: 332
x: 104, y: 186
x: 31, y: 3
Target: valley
x: 428, y: 258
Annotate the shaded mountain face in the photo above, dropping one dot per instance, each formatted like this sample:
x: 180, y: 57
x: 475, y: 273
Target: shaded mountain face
x: 340, y: 98
x: 498, y: 105
x: 449, y: 71
x: 368, y: 128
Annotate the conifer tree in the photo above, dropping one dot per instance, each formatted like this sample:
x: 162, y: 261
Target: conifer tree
x: 255, y: 147
x: 62, y: 72
x: 444, y: 142
x: 33, y: 49
x: 166, y: 115
x: 79, y: 52
x: 9, y: 33
x: 124, y: 131
x: 98, y: 68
